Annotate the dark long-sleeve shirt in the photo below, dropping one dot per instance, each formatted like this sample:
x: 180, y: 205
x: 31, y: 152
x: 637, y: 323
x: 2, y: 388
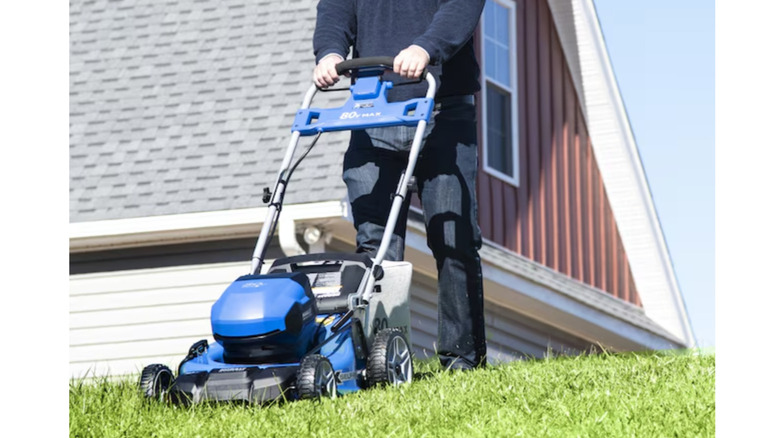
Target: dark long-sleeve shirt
x: 444, y: 28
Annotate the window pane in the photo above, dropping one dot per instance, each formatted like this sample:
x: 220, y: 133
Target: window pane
x: 497, y: 43
x: 501, y: 20
x: 489, y: 19
x: 490, y: 59
x: 499, y: 131
x: 502, y: 67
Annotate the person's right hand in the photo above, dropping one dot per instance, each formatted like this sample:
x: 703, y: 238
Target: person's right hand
x: 325, y: 72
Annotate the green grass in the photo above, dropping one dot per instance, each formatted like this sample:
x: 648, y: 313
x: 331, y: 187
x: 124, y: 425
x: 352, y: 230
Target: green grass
x: 621, y: 395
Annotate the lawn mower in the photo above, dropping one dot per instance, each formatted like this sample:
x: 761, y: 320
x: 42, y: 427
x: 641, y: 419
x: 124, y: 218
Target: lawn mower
x: 314, y: 325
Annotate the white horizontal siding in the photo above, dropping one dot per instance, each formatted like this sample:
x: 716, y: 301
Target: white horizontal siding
x: 123, y: 321
x: 139, y: 315
x: 145, y: 298
x: 144, y: 279
x: 175, y: 345
x: 154, y: 330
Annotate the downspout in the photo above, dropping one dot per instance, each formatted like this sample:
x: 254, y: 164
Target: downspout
x: 287, y: 239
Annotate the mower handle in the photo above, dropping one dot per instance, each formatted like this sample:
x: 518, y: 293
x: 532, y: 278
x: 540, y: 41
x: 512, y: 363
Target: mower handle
x: 370, y: 66
x: 378, y: 63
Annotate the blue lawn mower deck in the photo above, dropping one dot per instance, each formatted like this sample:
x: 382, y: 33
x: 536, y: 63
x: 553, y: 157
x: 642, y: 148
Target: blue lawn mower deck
x: 318, y: 324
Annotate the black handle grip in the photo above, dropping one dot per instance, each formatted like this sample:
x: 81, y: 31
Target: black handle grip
x: 378, y: 63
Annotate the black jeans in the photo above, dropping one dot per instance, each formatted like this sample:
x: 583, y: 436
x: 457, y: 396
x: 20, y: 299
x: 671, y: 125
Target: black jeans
x: 446, y: 175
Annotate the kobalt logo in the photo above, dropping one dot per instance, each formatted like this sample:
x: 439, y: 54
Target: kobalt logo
x: 257, y: 284
x: 355, y: 115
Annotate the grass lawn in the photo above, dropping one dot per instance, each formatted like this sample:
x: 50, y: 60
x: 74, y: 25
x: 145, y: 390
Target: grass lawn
x: 620, y: 395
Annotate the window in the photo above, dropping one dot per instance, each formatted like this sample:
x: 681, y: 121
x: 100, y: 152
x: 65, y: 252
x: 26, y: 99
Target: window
x: 498, y: 90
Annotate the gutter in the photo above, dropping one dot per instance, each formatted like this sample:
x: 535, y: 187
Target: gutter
x: 192, y: 227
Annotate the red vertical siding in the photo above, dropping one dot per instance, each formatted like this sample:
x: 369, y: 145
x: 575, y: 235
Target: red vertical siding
x: 587, y: 194
x: 583, y: 189
x: 601, y: 239
x: 546, y: 225
x: 556, y: 165
x: 497, y: 210
x: 521, y: 206
x: 532, y: 168
x: 559, y: 214
x: 573, y: 214
x: 510, y: 217
x: 609, y: 238
x: 624, y: 274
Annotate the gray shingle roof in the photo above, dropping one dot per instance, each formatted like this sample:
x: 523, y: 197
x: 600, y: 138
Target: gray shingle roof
x: 186, y: 106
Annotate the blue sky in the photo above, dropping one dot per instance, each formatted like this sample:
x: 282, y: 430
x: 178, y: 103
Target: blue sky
x: 663, y: 54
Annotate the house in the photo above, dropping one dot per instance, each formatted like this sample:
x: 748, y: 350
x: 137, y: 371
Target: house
x: 180, y: 114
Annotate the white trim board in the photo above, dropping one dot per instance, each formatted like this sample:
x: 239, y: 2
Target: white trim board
x: 190, y: 227
x: 621, y: 168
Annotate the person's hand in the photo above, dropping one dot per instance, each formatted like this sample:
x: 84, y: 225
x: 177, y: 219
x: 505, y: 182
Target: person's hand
x: 325, y: 72
x: 411, y: 61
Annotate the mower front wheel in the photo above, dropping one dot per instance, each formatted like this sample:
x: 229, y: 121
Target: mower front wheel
x: 155, y: 381
x: 316, y: 378
x: 390, y: 361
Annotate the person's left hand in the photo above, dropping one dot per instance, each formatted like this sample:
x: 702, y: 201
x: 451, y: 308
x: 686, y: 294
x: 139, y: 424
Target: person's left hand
x: 411, y: 61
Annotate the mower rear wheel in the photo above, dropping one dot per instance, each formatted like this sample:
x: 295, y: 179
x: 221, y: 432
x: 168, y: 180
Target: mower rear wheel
x: 155, y: 381
x: 390, y: 361
x: 316, y: 378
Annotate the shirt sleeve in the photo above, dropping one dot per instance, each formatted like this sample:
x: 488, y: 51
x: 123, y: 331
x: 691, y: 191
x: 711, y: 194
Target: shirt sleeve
x: 335, y: 29
x: 452, y: 26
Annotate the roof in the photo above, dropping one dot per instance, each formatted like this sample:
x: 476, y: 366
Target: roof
x: 186, y: 106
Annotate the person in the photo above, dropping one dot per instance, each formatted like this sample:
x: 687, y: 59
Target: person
x: 419, y: 34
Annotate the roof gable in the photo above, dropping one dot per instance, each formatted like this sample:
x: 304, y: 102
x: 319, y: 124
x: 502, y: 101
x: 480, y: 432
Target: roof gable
x: 621, y: 168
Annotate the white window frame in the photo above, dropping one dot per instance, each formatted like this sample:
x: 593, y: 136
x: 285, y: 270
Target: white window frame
x: 513, y: 179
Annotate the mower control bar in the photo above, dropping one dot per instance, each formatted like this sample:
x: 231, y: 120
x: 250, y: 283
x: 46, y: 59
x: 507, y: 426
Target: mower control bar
x: 366, y: 107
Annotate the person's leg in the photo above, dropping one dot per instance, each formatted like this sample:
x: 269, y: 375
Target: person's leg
x: 372, y: 168
x: 446, y: 176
